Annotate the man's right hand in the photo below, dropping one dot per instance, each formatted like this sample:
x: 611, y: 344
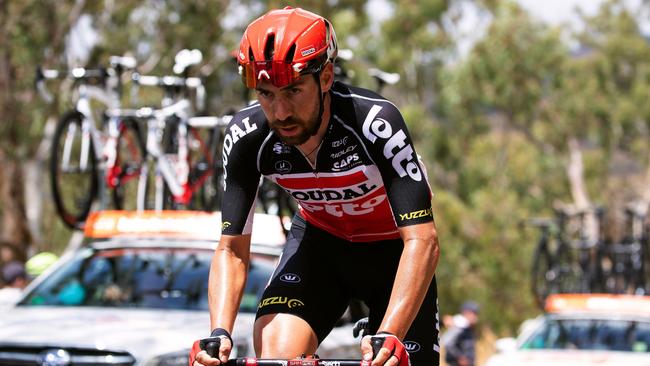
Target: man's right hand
x: 211, y: 351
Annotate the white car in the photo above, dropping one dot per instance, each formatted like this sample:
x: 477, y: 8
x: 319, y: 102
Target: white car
x: 582, y: 330
x: 136, y: 294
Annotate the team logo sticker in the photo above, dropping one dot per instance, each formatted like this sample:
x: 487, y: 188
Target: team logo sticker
x: 307, y: 51
x: 290, y: 278
x: 283, y: 166
x: 281, y: 300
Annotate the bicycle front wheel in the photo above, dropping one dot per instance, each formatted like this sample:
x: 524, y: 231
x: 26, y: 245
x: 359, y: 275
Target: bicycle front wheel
x: 73, y: 170
x: 544, y: 274
x: 210, y: 168
x: 571, y: 278
x: 130, y: 158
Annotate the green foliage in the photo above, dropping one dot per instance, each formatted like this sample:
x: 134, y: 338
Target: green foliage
x: 509, y: 109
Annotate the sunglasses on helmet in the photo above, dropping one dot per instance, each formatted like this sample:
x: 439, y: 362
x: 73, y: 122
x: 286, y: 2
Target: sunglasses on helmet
x: 279, y: 73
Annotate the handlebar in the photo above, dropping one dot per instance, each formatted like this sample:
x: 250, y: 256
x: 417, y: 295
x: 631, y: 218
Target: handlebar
x: 167, y: 81
x: 179, y: 108
x: 250, y: 361
x: 211, y: 346
x: 118, y: 64
x: 384, y: 77
x: 171, y: 84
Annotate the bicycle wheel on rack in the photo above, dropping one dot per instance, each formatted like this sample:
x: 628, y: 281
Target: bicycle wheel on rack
x: 275, y: 201
x: 73, y: 170
x: 152, y: 192
x: 130, y: 157
x: 570, y: 275
x: 287, y: 207
x: 543, y: 273
x: 209, y: 170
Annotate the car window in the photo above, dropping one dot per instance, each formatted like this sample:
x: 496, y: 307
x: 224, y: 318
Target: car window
x: 591, y: 334
x: 141, y: 278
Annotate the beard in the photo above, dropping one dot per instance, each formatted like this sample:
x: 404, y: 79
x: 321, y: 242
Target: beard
x: 306, y: 128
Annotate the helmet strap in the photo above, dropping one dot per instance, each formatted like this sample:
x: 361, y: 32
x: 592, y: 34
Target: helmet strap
x: 321, y: 103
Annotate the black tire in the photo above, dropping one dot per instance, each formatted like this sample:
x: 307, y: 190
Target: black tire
x: 130, y: 157
x: 73, y: 189
x: 287, y: 207
x: 211, y: 191
x: 543, y: 273
x: 170, y: 148
x: 570, y: 276
x: 276, y: 201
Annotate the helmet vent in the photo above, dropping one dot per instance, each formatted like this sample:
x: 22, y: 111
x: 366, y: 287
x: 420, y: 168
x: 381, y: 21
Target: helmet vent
x: 290, y: 54
x: 269, y: 47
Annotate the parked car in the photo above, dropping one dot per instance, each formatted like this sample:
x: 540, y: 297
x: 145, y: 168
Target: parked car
x: 136, y: 294
x: 582, y: 329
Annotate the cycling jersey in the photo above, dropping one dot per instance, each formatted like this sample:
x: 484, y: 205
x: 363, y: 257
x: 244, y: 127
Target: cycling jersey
x: 367, y: 180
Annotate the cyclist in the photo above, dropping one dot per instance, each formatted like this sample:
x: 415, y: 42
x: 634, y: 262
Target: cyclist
x: 365, y: 229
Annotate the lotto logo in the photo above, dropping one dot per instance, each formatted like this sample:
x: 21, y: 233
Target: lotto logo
x: 401, y: 154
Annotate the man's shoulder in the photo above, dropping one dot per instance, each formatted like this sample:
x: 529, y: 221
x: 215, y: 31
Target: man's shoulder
x: 247, y: 123
x: 251, y: 114
x: 360, y: 102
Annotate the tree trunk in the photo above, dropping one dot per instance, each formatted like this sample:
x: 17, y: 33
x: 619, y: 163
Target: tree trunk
x: 35, y: 181
x: 581, y: 201
x: 14, y: 232
x: 14, y: 229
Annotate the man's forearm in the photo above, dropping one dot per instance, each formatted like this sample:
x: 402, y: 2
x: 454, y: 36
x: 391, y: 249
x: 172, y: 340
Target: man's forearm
x: 227, y: 281
x: 416, y: 269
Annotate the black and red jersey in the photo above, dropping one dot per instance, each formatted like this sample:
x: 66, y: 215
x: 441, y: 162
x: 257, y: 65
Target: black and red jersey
x: 367, y: 180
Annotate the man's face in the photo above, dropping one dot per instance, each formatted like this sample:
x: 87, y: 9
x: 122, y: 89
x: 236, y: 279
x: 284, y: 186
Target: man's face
x: 292, y: 111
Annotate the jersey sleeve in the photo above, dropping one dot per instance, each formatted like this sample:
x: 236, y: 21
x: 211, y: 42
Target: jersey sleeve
x: 389, y: 144
x: 241, y: 176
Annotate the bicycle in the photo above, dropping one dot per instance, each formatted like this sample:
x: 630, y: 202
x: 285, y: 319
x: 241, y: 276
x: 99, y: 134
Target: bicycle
x: 564, y: 265
x: 85, y: 153
x: 179, y: 160
x: 589, y: 249
x: 550, y: 273
x: 627, y: 258
x: 176, y: 149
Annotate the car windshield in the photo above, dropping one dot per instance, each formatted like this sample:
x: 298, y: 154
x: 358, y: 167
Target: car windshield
x: 167, y: 278
x: 591, y: 334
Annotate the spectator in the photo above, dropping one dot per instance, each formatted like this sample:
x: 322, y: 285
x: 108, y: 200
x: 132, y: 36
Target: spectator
x: 460, y: 339
x: 15, y: 279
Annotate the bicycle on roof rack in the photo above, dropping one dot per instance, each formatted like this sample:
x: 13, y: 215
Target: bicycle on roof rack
x: 182, y: 168
x: 626, y: 261
x: 89, y: 150
x: 564, y: 263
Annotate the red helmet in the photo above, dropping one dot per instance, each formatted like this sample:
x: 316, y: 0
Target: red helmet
x: 284, y: 44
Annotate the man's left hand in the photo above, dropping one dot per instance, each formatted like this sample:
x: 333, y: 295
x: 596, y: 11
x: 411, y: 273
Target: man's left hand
x: 391, y: 353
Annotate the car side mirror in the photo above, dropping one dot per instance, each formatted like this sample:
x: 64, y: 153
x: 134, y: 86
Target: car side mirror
x: 505, y: 345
